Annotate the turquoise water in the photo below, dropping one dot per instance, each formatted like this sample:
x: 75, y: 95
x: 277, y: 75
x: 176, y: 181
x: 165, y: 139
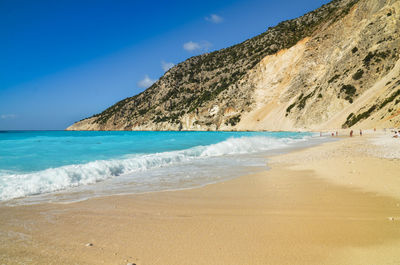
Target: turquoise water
x: 39, y: 162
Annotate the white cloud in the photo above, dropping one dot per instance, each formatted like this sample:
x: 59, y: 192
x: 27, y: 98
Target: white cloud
x: 166, y: 65
x: 7, y: 116
x: 146, y: 82
x: 214, y: 18
x: 192, y: 46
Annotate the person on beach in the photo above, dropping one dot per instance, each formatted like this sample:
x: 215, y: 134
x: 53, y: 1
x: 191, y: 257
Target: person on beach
x: 351, y: 133
x: 360, y: 132
x: 337, y: 133
x: 396, y: 134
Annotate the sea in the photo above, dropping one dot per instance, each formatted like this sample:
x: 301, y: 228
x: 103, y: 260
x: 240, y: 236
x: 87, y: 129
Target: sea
x: 66, y: 166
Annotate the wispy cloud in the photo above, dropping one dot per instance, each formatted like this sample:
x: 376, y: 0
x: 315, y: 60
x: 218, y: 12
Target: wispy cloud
x: 192, y: 46
x: 166, y: 65
x: 214, y: 18
x: 146, y: 82
x: 7, y: 116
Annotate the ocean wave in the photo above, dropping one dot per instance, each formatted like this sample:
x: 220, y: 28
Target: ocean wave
x: 61, y: 178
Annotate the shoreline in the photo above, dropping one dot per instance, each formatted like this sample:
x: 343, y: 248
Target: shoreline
x: 297, y: 212
x: 112, y: 186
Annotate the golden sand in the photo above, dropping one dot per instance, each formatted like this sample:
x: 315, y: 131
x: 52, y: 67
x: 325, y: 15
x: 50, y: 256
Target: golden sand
x: 330, y: 204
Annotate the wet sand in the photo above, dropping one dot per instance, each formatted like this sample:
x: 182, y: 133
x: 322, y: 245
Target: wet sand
x: 338, y: 203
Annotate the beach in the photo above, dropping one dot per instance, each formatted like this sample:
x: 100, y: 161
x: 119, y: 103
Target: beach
x: 335, y: 203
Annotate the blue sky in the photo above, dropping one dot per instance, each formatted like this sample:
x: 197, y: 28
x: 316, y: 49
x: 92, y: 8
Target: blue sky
x: 61, y: 61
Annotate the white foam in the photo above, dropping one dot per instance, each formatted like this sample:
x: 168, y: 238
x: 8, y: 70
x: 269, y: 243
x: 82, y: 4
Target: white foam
x: 55, y: 179
x: 4, y: 172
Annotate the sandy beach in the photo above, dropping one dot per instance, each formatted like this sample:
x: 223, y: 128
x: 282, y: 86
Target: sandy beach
x: 336, y: 203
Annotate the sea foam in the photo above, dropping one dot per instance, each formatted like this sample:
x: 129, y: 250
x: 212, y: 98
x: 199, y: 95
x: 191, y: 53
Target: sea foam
x: 64, y: 177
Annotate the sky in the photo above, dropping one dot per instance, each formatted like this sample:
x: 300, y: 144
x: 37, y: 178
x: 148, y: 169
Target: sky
x: 65, y: 60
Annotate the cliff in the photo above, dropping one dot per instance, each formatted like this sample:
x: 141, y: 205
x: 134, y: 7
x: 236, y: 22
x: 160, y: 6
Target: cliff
x: 335, y: 67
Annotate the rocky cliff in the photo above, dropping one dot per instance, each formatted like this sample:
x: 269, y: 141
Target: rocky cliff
x: 335, y: 67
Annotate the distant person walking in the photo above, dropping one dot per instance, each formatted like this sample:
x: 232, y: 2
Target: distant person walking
x: 351, y: 133
x: 360, y: 133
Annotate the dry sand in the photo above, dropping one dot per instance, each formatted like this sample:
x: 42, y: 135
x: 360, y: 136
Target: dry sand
x: 338, y: 203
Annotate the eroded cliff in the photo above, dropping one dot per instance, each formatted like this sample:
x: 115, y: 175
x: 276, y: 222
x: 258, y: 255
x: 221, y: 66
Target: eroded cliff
x: 337, y: 66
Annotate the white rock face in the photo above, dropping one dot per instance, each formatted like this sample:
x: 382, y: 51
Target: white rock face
x: 344, y: 73
x: 214, y: 110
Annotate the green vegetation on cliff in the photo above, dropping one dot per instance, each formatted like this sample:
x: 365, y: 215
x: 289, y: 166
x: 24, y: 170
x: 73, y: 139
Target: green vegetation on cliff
x: 197, y: 83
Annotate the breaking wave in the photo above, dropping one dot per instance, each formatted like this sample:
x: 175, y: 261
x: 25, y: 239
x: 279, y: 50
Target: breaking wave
x: 15, y: 185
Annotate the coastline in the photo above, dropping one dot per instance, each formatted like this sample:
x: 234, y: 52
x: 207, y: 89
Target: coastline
x: 335, y: 203
x: 200, y: 163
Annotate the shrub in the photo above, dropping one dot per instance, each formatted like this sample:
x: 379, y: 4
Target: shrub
x: 367, y: 59
x: 377, y: 55
x: 390, y: 99
x: 358, y: 75
x: 352, y: 119
x: 290, y: 108
x: 233, y: 121
x: 303, y: 101
x: 349, y: 91
x: 333, y: 78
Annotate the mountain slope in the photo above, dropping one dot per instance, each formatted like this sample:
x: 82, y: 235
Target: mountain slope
x: 337, y: 66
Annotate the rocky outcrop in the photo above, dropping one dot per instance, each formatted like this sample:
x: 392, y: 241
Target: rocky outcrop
x: 337, y: 66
